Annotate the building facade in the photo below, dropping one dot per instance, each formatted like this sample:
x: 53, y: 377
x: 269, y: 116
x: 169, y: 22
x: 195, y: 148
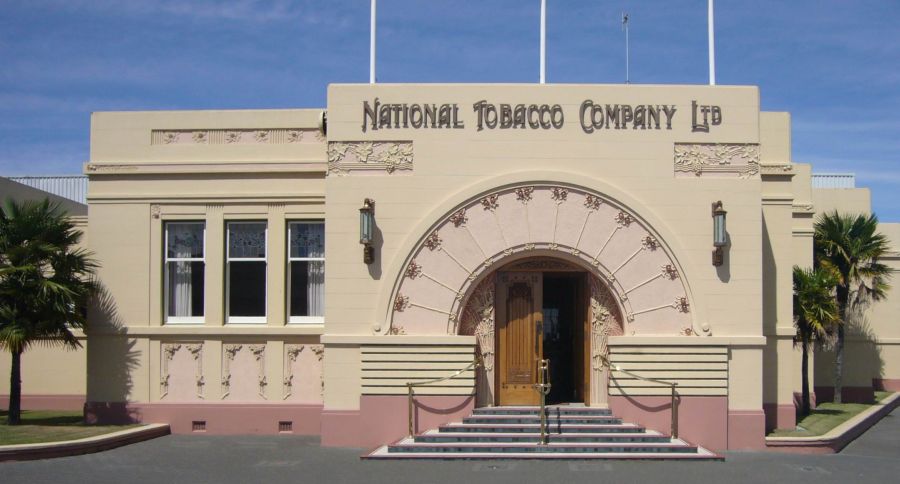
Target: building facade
x: 573, y: 223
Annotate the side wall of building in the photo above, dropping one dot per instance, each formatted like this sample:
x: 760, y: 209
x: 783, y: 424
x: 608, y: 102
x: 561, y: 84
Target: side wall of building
x: 152, y: 170
x: 872, y: 341
x: 52, y: 378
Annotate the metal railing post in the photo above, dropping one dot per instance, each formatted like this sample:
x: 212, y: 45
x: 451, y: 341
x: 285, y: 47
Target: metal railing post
x: 673, y: 427
x: 543, y: 388
x: 409, y: 388
x: 410, y: 393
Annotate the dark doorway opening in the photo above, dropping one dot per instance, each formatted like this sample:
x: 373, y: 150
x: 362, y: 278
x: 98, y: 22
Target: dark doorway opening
x: 564, y: 318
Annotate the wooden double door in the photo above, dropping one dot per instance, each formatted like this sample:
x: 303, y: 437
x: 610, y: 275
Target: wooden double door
x: 540, y: 315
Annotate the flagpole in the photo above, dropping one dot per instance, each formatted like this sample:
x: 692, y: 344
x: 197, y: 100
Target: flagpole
x: 627, y: 53
x: 372, y: 45
x: 543, y: 41
x: 712, y: 47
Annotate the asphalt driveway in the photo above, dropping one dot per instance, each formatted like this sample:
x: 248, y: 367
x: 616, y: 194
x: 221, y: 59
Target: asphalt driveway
x: 874, y: 457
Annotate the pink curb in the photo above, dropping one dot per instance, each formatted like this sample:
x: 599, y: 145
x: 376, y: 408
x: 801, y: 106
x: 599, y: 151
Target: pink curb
x: 87, y: 445
x: 838, y: 437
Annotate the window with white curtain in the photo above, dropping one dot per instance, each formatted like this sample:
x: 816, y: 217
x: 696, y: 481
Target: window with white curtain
x: 184, y: 267
x: 306, y: 270
x: 246, y: 267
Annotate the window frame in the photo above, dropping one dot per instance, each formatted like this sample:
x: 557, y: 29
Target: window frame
x: 228, y: 260
x: 289, y: 259
x: 166, y: 259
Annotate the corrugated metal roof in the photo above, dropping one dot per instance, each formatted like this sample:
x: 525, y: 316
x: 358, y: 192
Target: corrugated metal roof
x: 833, y: 180
x: 72, y: 187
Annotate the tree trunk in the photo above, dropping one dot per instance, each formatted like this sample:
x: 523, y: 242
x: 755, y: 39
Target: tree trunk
x: 843, y: 296
x: 804, y: 368
x: 15, y: 390
x: 838, y: 364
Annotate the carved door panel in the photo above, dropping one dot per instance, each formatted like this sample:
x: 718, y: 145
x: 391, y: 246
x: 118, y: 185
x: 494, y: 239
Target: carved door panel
x: 520, y: 336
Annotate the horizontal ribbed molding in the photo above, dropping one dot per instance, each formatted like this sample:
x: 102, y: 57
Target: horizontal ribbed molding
x: 387, y: 368
x: 698, y: 371
x: 72, y: 187
x: 833, y: 180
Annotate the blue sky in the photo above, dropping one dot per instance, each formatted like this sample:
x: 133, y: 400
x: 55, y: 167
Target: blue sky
x: 835, y: 65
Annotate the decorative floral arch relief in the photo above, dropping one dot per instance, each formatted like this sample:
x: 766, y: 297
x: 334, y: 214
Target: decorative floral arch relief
x: 438, y: 290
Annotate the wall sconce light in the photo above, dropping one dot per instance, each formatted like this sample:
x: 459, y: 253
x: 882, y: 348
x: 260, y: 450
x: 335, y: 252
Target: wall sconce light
x: 367, y: 230
x: 720, y: 239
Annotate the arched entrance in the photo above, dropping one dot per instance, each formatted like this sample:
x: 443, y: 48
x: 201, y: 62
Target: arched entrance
x: 541, y: 308
x: 449, y: 283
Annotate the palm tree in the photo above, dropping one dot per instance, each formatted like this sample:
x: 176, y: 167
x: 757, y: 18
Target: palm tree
x: 815, y: 316
x: 45, y: 284
x: 849, y: 246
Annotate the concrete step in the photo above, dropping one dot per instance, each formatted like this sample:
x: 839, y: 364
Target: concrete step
x: 535, y: 419
x: 514, y: 433
x: 410, y: 446
x: 464, y: 437
x: 536, y: 428
x: 552, y: 410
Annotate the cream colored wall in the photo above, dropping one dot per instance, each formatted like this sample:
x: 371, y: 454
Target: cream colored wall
x: 217, y: 166
x: 883, y: 318
x: 872, y: 345
x: 48, y: 370
x: 779, y: 200
x: 633, y: 167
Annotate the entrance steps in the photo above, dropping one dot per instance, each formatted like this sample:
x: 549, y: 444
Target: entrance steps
x: 514, y: 433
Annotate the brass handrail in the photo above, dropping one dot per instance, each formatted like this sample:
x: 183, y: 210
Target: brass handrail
x: 409, y: 387
x: 674, y: 401
x: 543, y: 388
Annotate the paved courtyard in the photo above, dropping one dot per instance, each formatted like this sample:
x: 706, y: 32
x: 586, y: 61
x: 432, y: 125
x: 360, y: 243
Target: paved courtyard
x: 874, y: 457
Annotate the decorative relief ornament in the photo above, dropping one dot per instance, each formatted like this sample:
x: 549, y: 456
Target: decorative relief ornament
x: 347, y: 157
x: 293, y: 136
x: 459, y: 218
x: 649, y: 243
x: 227, y: 136
x: 687, y: 331
x: 401, y: 302
x: 155, y: 211
x: 490, y: 202
x: 433, y: 241
x: 601, y: 323
x: 413, y: 270
x: 593, y: 203
x: 292, y: 352
x: 261, y: 136
x: 623, y: 219
x: 233, y: 136
x: 681, y: 304
x: 670, y: 272
x: 478, y: 320
x: 523, y: 194
x: 559, y: 194
x: 396, y: 330
x: 717, y: 159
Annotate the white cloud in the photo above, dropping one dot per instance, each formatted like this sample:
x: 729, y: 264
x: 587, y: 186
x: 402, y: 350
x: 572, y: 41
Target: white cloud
x: 257, y: 11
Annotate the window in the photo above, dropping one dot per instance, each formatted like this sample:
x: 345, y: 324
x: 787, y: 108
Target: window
x: 184, y: 267
x: 306, y: 272
x: 246, y: 272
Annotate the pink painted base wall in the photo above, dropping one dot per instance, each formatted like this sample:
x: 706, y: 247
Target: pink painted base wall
x: 701, y: 420
x: 384, y: 419
x: 47, y: 402
x: 886, y: 384
x: 848, y: 394
x: 746, y: 430
x: 219, y: 418
x: 780, y: 416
